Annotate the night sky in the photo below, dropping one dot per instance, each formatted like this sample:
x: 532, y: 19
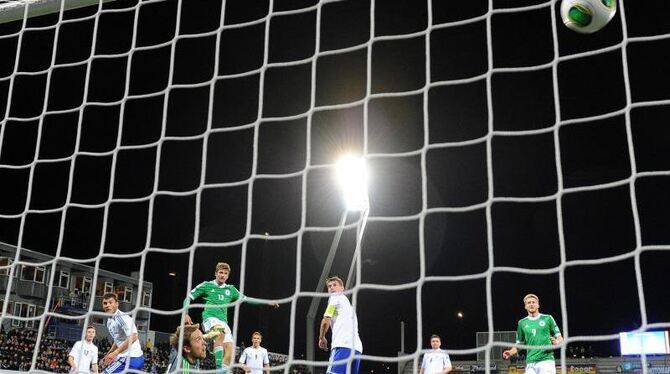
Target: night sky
x: 117, y: 168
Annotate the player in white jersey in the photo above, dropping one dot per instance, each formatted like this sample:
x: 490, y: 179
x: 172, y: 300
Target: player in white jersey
x: 255, y: 358
x: 340, y: 315
x: 436, y: 361
x: 84, y: 354
x: 126, y: 351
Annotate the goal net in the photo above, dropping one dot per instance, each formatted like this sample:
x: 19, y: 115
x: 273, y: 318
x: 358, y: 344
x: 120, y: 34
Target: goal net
x: 507, y: 155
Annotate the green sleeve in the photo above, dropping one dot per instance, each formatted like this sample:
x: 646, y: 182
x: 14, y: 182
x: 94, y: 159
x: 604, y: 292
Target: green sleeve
x: 554, y: 327
x: 247, y: 299
x: 520, y: 337
x: 236, y: 294
x: 252, y: 301
x: 196, y: 292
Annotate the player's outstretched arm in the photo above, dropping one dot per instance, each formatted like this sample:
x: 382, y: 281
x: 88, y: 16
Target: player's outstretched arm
x: 254, y: 301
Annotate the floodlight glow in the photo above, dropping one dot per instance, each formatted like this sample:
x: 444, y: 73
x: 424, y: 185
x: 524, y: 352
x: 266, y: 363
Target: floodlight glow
x: 352, y: 177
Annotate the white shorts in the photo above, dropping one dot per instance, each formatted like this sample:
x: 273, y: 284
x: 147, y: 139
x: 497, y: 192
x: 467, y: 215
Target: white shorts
x: 542, y: 367
x: 210, y: 322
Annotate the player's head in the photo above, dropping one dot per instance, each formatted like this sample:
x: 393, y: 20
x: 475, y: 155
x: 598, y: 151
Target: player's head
x: 110, y: 303
x: 334, y: 284
x: 256, y: 339
x: 531, y: 303
x: 435, y: 341
x: 194, y: 346
x: 90, y: 333
x: 222, y: 272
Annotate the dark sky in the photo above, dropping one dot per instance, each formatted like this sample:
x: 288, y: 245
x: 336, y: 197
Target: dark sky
x: 107, y: 171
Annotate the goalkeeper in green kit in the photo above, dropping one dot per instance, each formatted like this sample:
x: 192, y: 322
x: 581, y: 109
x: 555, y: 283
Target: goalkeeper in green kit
x: 217, y: 295
x: 536, y: 329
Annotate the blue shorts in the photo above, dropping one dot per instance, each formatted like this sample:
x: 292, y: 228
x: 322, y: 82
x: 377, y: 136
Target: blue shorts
x: 340, y: 353
x: 119, y: 365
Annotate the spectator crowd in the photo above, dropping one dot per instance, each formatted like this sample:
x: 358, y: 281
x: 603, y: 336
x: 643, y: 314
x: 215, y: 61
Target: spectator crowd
x: 17, y: 348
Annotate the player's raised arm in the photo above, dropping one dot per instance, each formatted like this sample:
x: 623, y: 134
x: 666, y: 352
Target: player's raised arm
x: 255, y: 301
x: 237, y: 295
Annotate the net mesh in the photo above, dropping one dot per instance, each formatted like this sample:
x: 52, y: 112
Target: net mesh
x: 213, y: 127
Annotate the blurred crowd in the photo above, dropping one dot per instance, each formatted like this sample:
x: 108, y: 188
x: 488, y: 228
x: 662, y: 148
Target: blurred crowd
x: 17, y: 349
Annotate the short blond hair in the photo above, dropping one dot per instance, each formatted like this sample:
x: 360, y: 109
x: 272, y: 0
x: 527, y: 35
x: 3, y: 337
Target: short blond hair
x: 185, y: 336
x: 335, y: 278
x: 530, y: 295
x: 257, y: 333
x: 222, y: 266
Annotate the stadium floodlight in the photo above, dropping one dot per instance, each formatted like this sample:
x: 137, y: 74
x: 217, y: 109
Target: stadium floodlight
x: 352, y: 177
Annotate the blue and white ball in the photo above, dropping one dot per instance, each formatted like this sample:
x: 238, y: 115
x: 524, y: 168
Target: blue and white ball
x: 587, y: 16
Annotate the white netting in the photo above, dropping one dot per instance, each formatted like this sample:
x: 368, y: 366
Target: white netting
x: 182, y: 133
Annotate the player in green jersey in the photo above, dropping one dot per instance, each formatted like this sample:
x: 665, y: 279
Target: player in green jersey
x: 536, y: 329
x: 217, y: 296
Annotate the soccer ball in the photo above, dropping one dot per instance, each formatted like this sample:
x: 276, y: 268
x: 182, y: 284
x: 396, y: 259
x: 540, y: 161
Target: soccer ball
x: 587, y: 16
